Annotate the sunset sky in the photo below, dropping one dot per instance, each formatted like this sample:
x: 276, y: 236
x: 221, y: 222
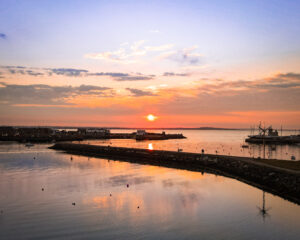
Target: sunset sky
x: 111, y: 63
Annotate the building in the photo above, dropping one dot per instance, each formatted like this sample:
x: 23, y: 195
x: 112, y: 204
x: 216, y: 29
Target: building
x: 96, y: 132
x: 141, y: 132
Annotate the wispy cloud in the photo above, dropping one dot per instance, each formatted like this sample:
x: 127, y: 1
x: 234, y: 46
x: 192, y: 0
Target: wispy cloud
x: 2, y: 35
x: 128, y: 53
x: 32, y: 73
x: 172, y: 74
x: 46, y: 94
x: 208, y: 97
x: 73, y: 72
x: 134, y: 78
x: 185, y: 56
x: 280, y: 92
x: 124, y: 76
x: 278, y: 81
x: 158, y: 48
x: 21, y: 70
x: 140, y: 93
x: 111, y: 74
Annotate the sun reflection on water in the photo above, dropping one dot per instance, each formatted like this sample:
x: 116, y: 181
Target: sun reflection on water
x: 150, y: 146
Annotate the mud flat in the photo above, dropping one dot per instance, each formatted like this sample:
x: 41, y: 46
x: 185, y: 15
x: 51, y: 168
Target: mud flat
x: 279, y: 177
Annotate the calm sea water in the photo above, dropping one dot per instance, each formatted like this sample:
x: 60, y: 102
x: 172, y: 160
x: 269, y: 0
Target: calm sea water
x: 159, y: 203
x: 212, y: 141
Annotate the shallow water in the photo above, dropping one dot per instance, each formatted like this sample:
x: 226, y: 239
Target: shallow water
x: 160, y: 203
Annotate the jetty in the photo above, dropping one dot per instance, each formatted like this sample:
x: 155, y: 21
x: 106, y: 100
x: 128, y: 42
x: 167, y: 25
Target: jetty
x: 279, y: 177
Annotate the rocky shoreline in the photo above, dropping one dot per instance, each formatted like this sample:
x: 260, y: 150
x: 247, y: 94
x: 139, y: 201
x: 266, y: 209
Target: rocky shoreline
x: 279, y: 181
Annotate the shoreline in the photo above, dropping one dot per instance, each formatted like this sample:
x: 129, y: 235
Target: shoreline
x: 273, y: 179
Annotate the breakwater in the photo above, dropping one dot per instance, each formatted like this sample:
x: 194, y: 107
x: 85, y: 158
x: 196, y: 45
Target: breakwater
x: 279, y: 181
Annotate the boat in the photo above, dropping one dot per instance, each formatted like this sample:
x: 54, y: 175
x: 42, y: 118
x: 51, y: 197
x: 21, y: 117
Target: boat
x: 270, y: 136
x: 29, y: 144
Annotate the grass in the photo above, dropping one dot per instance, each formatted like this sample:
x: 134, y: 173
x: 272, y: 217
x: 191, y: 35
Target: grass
x: 291, y: 165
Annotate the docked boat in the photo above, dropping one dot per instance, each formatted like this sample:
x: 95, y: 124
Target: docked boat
x: 270, y: 136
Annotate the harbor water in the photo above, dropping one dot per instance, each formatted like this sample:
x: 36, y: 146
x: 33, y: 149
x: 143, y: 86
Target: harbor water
x: 223, y: 142
x: 48, y: 194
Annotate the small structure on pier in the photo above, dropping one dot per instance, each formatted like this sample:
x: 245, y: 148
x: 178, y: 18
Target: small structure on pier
x: 94, y: 132
x: 141, y: 134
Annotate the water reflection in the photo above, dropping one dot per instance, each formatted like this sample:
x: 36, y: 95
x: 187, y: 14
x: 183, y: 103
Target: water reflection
x: 150, y: 146
x: 123, y: 180
x: 263, y: 211
x: 158, y: 203
x: 212, y: 142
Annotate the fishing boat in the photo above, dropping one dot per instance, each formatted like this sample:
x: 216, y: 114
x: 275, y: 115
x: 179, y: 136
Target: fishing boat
x: 270, y: 136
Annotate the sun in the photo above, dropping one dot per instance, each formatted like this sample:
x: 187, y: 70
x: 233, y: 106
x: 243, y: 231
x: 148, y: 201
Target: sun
x: 151, y: 117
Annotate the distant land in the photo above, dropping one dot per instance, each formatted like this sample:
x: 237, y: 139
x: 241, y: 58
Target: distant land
x: 161, y: 128
x: 146, y: 128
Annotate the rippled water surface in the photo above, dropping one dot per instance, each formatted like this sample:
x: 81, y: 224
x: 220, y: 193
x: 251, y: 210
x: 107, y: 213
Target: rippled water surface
x: 159, y: 203
x: 212, y: 141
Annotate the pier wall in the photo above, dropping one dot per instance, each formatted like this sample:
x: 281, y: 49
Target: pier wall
x: 282, y: 182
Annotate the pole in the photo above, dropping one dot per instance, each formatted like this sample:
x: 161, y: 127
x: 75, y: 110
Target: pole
x: 264, y: 146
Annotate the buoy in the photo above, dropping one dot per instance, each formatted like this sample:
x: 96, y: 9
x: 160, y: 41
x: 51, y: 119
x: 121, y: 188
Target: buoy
x: 71, y: 158
x: 138, y: 207
x: 127, y: 185
x: 73, y: 204
x: 42, y: 189
x: 110, y: 195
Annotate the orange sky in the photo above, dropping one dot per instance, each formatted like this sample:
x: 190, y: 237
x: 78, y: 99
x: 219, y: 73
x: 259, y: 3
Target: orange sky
x: 84, y: 66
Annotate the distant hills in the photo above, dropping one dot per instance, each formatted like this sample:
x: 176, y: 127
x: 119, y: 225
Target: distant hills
x: 129, y: 128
